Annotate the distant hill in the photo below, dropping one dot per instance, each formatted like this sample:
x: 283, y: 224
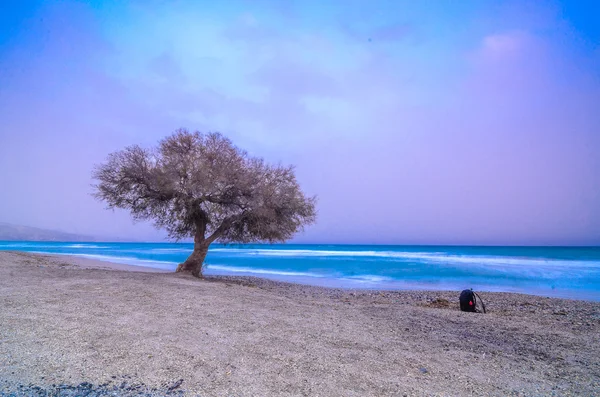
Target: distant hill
x: 25, y: 233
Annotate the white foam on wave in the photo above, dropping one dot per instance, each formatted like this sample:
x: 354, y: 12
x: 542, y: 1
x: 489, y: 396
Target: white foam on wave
x: 423, y: 257
x: 54, y: 246
x: 27, y: 245
x: 369, y: 278
x: 172, y: 250
x: 82, y: 246
x: 125, y: 260
x: 511, y: 261
x: 359, y: 281
x: 249, y: 270
x: 323, y: 253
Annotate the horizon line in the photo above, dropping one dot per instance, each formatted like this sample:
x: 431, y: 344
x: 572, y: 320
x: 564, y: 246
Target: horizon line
x: 313, y: 243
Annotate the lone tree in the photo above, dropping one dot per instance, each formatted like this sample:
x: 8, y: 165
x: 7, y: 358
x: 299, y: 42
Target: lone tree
x: 202, y: 186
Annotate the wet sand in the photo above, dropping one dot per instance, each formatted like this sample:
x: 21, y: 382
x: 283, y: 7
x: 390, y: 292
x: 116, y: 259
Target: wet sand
x: 68, y: 320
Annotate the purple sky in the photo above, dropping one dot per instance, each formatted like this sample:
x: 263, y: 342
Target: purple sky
x: 472, y: 122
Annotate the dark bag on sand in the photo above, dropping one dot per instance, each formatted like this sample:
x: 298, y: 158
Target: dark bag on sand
x: 468, y: 301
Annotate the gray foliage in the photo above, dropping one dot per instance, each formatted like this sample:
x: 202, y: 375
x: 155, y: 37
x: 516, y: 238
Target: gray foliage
x: 201, y: 185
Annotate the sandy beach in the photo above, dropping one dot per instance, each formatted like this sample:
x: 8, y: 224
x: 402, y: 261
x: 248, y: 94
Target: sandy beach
x: 67, y: 320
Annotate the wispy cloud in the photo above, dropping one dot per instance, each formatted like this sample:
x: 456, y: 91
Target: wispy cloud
x: 447, y: 127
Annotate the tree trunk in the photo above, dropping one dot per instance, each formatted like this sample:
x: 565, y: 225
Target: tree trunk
x: 194, y: 263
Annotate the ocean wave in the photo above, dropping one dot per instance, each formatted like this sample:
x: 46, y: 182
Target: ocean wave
x: 370, y: 278
x: 333, y: 279
x: 510, y: 261
x: 235, y: 269
x: 26, y: 245
x: 324, y: 253
x: 53, y: 246
x: 82, y: 246
x: 422, y: 257
x: 172, y: 250
x: 125, y: 260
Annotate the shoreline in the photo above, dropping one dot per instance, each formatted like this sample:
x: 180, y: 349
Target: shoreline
x: 83, y: 262
x: 66, y: 322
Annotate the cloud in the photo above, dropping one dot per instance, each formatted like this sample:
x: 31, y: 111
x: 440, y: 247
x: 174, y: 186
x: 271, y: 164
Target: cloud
x: 491, y: 140
x: 166, y: 68
x: 503, y: 44
x: 507, y: 47
x: 395, y: 32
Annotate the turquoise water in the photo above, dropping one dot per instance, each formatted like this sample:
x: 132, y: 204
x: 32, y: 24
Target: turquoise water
x: 564, y: 272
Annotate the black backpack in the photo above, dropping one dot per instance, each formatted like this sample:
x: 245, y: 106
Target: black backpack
x: 468, y: 301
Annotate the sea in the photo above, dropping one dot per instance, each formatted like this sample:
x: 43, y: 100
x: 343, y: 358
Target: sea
x: 567, y: 272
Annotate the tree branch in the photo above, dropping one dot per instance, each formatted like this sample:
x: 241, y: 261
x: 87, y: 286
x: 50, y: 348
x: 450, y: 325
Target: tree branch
x: 226, y: 224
